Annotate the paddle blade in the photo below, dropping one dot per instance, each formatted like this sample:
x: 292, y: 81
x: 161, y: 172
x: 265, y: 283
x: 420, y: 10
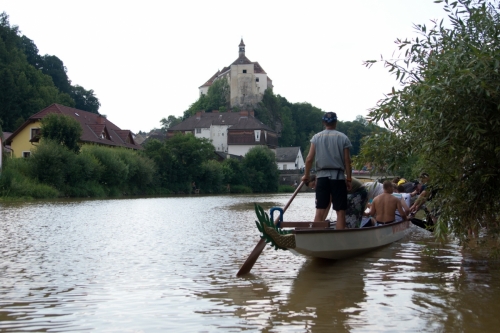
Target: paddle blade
x: 252, y: 258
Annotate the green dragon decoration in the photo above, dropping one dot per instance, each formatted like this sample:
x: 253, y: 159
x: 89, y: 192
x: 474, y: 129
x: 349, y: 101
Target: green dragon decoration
x: 279, y: 238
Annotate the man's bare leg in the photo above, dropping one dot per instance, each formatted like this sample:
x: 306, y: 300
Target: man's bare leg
x: 340, y: 219
x: 320, y: 214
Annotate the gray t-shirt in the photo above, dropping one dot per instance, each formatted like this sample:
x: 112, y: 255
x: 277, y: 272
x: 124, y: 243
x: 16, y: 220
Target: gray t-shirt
x: 374, y: 189
x: 330, y: 145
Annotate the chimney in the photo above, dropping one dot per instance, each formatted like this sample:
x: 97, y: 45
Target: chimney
x: 198, y: 114
x: 101, y: 120
x: 252, y: 113
x: 244, y: 113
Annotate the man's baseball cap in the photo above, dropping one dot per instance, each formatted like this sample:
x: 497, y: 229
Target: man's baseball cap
x: 330, y: 117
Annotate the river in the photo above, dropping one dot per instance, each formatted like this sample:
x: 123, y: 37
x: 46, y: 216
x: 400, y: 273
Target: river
x: 169, y: 264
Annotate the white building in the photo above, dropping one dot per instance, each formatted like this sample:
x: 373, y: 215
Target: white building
x: 289, y: 158
x: 234, y: 133
x: 247, y: 80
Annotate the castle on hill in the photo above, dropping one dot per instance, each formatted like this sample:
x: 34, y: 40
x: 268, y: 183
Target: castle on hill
x: 247, y: 80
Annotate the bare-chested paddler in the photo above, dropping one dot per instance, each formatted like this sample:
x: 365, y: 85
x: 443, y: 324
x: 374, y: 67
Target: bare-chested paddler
x: 384, y: 206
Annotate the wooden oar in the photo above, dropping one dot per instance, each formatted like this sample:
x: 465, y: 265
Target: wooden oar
x: 252, y: 258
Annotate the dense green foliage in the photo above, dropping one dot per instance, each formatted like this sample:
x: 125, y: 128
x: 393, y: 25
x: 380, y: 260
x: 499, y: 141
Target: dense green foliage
x: 217, y: 98
x: 169, y: 122
x: 62, y: 129
x: 261, y: 170
x: 447, y: 115
x: 16, y: 182
x: 185, y: 159
x: 53, y: 170
x: 30, y: 82
x: 162, y: 168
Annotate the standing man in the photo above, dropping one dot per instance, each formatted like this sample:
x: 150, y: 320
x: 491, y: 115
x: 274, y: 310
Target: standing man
x: 330, y: 149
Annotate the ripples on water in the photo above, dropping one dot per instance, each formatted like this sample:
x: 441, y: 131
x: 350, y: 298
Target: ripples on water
x: 169, y: 264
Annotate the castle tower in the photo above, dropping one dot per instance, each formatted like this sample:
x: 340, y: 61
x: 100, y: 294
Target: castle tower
x: 241, y: 48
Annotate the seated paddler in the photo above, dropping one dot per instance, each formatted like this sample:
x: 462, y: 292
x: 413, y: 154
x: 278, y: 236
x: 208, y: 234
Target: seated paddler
x: 384, y: 206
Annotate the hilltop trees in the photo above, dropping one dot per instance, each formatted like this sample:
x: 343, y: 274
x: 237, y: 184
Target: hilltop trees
x: 30, y: 82
x: 447, y: 114
x: 217, y: 98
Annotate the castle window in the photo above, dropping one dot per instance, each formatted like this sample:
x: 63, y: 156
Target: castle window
x: 244, y: 71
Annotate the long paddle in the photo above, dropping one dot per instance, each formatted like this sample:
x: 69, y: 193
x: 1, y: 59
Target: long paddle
x: 252, y: 258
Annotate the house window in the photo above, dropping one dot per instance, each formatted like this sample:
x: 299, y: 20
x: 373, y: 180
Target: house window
x: 257, y: 135
x: 244, y: 71
x: 284, y: 166
x: 257, y: 79
x: 35, y: 132
x: 198, y: 130
x: 26, y: 154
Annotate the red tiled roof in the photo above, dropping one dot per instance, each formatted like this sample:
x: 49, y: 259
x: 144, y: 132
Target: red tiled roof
x: 258, y: 69
x: 211, y: 80
x: 92, y: 126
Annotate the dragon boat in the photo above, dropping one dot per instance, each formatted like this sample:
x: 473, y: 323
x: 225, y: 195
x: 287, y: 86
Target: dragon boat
x: 318, y: 239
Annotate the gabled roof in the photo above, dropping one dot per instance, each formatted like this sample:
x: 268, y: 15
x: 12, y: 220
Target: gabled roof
x: 242, y: 60
x: 6, y: 135
x: 258, y: 69
x: 211, y: 80
x: 287, y: 154
x: 93, y: 125
x: 236, y: 121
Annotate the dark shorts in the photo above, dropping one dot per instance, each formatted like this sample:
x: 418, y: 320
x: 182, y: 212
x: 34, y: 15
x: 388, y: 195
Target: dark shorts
x: 336, y: 189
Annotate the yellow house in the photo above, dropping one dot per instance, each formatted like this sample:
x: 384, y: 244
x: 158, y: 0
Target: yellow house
x: 95, y: 129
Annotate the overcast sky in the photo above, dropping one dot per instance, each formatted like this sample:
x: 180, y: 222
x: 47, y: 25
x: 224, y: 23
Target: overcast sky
x: 146, y: 59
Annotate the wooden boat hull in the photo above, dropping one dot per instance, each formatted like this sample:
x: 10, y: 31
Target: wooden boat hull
x: 341, y: 244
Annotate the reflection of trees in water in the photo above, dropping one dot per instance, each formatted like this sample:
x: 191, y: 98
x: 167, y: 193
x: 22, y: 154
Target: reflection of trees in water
x: 459, y: 290
x: 321, y: 297
x: 440, y: 292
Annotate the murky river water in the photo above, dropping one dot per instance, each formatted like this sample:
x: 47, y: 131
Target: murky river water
x: 169, y: 264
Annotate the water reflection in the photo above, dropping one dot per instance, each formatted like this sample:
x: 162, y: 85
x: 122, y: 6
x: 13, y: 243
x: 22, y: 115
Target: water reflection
x: 169, y: 264
x: 324, y: 295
